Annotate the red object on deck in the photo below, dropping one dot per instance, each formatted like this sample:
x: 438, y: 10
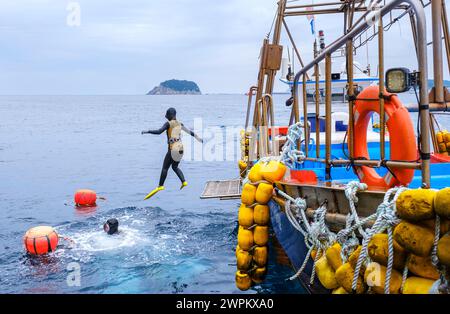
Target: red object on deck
x: 304, y: 176
x: 85, y: 198
x: 279, y: 130
x: 439, y: 158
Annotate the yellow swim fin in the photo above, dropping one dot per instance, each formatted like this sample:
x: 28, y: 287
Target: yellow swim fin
x: 159, y: 188
x: 183, y: 185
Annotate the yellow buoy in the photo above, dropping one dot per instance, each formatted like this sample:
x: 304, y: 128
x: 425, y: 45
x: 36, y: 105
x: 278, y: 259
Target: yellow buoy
x: 243, y: 281
x: 415, y: 239
x: 273, y: 171
x: 375, y: 277
x: 442, y: 203
x: 245, y: 239
x: 378, y: 251
x: 422, y: 267
x: 244, y: 260
x: 417, y: 285
x: 443, y: 250
x: 325, y: 274
x: 339, y: 290
x: 248, y: 194
x: 261, y: 215
x: 260, y: 256
x: 245, y: 216
x: 353, y: 258
x: 333, y: 254
x: 258, y: 275
x: 263, y: 193
x: 261, y: 235
x: 344, y: 277
x: 416, y: 205
x: 254, y: 174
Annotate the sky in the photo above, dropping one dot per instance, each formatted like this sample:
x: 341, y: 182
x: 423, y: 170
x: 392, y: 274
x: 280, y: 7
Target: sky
x: 129, y: 46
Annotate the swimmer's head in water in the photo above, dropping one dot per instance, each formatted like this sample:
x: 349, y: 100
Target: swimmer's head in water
x: 171, y: 114
x: 111, y: 226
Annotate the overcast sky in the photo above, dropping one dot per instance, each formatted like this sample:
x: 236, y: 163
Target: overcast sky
x: 129, y: 46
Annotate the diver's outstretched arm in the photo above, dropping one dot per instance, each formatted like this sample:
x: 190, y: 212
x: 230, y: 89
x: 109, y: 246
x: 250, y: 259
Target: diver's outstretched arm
x: 185, y: 129
x: 165, y: 127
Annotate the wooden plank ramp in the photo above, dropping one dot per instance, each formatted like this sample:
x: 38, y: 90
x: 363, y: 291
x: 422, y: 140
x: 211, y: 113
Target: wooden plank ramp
x: 222, y: 189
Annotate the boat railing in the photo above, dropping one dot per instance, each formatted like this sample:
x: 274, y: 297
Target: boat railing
x: 346, y: 41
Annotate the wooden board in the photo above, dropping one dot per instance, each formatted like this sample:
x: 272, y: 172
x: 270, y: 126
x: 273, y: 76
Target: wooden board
x: 226, y: 189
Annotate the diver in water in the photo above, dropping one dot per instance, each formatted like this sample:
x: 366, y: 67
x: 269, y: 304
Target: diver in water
x: 175, y: 148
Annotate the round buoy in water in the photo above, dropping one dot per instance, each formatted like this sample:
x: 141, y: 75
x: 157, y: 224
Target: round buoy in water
x: 40, y: 240
x: 85, y: 198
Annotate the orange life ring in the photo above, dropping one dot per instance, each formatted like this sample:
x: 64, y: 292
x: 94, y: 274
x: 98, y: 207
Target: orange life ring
x: 402, y: 139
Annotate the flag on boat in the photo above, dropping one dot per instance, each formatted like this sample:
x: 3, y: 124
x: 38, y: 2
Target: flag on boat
x: 311, y: 20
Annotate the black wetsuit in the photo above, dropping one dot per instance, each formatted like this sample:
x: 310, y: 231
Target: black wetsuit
x: 173, y: 155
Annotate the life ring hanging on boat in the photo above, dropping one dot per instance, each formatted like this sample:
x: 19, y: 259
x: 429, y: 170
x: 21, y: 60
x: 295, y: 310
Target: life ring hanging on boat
x: 403, y: 146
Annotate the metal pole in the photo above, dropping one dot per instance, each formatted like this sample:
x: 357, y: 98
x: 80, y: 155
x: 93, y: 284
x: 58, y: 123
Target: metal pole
x: 328, y: 115
x: 381, y: 85
x: 305, y: 117
x: 436, y: 17
x: 316, y: 72
x: 351, y: 95
x: 446, y: 33
x: 288, y: 32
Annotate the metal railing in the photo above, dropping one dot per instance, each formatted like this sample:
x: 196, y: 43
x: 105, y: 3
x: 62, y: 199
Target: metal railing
x: 347, y: 39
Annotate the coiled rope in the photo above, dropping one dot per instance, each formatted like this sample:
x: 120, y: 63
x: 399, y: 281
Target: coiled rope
x: 290, y: 153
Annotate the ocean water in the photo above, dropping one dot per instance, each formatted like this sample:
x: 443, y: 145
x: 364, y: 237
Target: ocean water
x: 50, y: 146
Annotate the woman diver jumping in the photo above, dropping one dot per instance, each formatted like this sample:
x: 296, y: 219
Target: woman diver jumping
x: 175, y: 148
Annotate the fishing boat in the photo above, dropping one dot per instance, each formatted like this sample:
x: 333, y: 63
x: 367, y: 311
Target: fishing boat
x: 332, y: 184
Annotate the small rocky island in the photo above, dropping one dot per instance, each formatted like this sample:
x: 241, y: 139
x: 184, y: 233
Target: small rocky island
x: 176, y: 87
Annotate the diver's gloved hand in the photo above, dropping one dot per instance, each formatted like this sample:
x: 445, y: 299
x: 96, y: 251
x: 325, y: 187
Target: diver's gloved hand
x: 144, y: 132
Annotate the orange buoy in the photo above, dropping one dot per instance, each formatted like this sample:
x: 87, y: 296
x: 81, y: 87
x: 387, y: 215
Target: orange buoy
x: 85, y: 198
x: 401, y: 137
x: 40, y: 240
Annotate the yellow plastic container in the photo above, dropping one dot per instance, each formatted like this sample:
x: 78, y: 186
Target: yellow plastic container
x: 254, y: 174
x: 375, y: 277
x: 261, y: 235
x: 443, y: 250
x: 416, y: 205
x: 442, y: 203
x: 248, y: 194
x: 325, y: 274
x: 245, y: 216
x: 378, y: 250
x: 243, y: 281
x: 413, y: 238
x: 260, y: 254
x: 244, y: 260
x: 263, y: 193
x: 245, y: 239
x: 422, y: 267
x: 344, y: 277
x: 333, y: 254
x: 261, y: 215
x: 417, y: 285
x: 273, y: 171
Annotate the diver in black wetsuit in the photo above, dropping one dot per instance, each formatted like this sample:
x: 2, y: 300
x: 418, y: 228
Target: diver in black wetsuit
x: 175, y: 148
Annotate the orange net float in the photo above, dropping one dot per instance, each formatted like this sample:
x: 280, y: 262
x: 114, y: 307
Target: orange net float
x: 85, y: 198
x: 40, y: 240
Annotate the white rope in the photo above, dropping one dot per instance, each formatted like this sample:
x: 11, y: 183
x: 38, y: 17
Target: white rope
x: 290, y: 153
x: 386, y: 219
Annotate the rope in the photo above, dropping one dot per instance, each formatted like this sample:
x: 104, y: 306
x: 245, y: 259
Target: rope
x: 386, y: 219
x: 290, y: 154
